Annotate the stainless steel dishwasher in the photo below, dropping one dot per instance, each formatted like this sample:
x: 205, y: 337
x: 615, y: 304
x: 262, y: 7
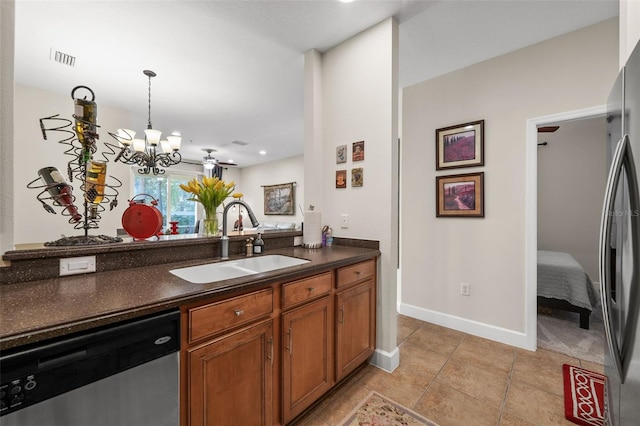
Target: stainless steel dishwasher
x: 121, y: 375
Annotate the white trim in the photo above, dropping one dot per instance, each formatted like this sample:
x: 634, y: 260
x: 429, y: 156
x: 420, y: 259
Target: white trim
x: 531, y: 211
x: 499, y: 334
x: 387, y: 361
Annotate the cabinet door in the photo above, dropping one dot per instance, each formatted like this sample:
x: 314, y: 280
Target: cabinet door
x: 307, y: 356
x: 355, y: 327
x: 230, y: 379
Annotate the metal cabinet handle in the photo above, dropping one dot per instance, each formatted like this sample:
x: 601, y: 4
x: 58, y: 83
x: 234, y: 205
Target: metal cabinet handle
x: 341, y: 319
x: 311, y: 289
x: 270, y: 356
x: 238, y: 312
x: 290, y: 347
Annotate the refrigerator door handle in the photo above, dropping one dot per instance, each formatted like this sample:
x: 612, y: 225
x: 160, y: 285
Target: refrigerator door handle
x: 605, y: 251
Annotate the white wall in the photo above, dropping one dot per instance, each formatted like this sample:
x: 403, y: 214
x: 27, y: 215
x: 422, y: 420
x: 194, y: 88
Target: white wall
x: 488, y: 253
x: 32, y: 224
x: 572, y: 171
x: 629, y: 28
x: 358, y: 101
x: 273, y: 173
x: 7, y: 26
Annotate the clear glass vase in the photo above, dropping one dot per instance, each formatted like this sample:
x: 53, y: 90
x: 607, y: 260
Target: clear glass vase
x: 209, y: 225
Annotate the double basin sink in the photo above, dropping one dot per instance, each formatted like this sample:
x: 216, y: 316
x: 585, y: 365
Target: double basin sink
x: 212, y: 272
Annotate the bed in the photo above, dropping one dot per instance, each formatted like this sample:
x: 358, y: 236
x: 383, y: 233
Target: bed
x: 563, y: 284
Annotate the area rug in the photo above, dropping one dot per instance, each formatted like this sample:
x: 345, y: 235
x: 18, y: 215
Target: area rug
x: 378, y: 410
x: 583, y: 396
x: 558, y: 331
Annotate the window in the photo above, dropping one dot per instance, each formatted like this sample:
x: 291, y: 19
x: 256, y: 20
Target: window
x: 173, y: 202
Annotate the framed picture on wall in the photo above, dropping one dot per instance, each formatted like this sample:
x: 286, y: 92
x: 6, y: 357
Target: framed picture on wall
x: 279, y: 199
x: 357, y: 177
x: 358, y: 151
x: 461, y: 145
x: 460, y: 195
x: 341, y: 154
x: 341, y: 178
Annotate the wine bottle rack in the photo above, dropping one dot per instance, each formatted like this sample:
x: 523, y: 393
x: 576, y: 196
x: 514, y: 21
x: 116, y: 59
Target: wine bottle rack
x: 79, y: 138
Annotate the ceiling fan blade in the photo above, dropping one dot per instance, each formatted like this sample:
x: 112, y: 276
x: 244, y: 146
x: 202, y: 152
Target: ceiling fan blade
x: 224, y: 163
x: 548, y: 129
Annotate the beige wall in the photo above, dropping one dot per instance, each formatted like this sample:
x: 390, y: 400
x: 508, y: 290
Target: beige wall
x: 629, y: 28
x: 352, y: 92
x: 7, y: 25
x: 567, y: 73
x: 572, y: 171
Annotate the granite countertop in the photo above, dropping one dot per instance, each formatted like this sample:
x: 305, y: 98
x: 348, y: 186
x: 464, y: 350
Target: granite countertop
x: 38, y: 310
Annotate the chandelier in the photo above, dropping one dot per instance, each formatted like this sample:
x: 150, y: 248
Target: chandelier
x: 144, y: 152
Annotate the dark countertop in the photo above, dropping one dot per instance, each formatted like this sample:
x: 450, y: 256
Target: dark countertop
x: 38, y: 310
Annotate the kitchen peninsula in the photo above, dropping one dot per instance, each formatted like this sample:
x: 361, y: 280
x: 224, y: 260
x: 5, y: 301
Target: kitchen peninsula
x: 308, y: 305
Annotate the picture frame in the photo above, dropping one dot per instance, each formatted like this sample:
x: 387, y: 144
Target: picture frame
x: 341, y: 178
x: 357, y: 177
x: 279, y: 199
x: 357, y: 153
x: 341, y: 154
x: 459, y: 146
x: 460, y: 195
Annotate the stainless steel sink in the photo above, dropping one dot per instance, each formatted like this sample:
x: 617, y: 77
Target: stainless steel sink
x: 212, y: 272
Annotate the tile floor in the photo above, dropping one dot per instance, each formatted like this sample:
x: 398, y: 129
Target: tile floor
x: 457, y: 379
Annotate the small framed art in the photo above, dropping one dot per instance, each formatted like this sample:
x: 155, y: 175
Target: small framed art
x: 341, y: 154
x: 357, y: 177
x: 341, y: 178
x: 358, y: 151
x: 460, y: 146
x: 460, y: 195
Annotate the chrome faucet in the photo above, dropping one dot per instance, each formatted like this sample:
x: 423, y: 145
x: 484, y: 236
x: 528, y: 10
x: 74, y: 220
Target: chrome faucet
x: 224, y: 240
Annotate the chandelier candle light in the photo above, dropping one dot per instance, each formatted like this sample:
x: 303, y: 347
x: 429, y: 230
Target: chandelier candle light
x: 144, y: 152
x: 211, y: 192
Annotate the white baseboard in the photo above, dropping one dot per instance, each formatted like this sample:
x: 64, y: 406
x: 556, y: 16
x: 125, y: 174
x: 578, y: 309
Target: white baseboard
x: 388, y: 361
x: 487, y: 331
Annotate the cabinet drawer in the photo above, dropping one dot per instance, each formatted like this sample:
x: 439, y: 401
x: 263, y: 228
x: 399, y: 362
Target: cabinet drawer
x: 354, y: 273
x: 306, y: 289
x: 211, y: 319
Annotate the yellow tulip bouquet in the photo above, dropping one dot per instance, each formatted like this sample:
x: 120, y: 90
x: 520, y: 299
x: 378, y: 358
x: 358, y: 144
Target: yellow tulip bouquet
x: 211, y: 192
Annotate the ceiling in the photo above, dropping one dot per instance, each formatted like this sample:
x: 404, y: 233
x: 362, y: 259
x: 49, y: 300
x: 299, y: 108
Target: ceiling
x: 231, y: 71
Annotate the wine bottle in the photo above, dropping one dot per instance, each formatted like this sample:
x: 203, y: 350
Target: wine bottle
x: 94, y: 181
x: 60, y: 191
x: 258, y: 245
x: 86, y: 113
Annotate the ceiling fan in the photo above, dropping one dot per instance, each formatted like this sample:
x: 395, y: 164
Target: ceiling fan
x: 210, y: 162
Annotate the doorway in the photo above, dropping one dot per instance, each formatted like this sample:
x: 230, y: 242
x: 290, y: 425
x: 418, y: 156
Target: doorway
x: 571, y: 178
x: 531, y: 210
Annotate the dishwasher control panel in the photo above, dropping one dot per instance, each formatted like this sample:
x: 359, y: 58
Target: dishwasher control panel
x: 13, y: 394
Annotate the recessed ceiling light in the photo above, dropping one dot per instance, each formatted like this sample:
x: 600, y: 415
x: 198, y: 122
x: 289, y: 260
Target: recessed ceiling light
x: 263, y: 152
x: 346, y: 1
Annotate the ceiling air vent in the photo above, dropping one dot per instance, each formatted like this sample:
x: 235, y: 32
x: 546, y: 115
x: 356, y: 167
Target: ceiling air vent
x: 62, y: 58
x: 240, y: 143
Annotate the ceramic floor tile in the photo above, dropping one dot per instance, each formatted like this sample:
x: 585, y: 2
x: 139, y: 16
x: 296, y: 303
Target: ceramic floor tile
x: 534, y: 405
x: 544, y: 376
x: 450, y: 407
x: 596, y: 368
x: 436, y: 339
x: 547, y: 357
x: 406, y: 326
x: 488, y: 385
x: 485, y: 354
x: 511, y: 420
x: 415, y: 356
x: 342, y: 404
x: 404, y: 385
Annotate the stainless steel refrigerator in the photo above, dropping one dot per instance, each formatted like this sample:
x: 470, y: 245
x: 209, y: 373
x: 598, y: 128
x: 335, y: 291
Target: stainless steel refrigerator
x: 620, y: 249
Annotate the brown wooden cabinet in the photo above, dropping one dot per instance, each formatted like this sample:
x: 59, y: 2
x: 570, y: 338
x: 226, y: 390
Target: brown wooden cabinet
x: 230, y: 379
x: 307, y: 355
x: 263, y: 357
x: 355, y: 327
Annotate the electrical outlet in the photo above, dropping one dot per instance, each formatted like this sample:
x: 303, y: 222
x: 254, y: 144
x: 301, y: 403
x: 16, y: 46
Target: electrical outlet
x: 465, y: 289
x: 77, y: 265
x: 344, y: 221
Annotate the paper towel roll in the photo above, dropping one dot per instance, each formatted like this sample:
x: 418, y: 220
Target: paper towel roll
x: 312, y: 233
